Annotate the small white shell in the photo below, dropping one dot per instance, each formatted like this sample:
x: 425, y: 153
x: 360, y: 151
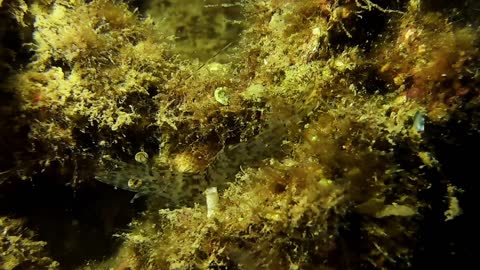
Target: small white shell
x: 221, y: 95
x: 141, y: 157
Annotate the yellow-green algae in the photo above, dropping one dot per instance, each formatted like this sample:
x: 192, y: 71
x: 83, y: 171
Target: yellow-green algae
x: 20, y: 250
x: 347, y: 188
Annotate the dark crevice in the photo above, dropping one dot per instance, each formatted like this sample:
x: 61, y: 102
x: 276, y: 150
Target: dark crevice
x: 77, y: 223
x: 450, y: 244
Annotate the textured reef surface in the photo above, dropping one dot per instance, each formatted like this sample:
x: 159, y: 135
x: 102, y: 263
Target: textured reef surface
x: 246, y: 134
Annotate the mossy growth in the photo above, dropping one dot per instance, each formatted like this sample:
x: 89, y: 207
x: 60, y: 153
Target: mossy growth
x: 20, y: 250
x: 200, y: 28
x: 426, y: 57
x: 355, y: 176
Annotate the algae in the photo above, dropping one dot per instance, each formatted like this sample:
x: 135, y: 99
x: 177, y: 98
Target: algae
x: 19, y: 249
x: 261, y: 134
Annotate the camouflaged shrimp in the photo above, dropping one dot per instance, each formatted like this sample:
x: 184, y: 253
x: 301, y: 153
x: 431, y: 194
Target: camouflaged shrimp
x: 185, y: 187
